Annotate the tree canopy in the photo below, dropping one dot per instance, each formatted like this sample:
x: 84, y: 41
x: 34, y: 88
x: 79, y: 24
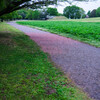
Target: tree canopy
x: 7, y: 6
x: 98, y: 12
x: 73, y: 12
x: 52, y: 11
x: 93, y: 13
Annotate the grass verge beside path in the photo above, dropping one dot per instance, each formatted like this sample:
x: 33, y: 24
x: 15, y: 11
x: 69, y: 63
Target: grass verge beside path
x: 87, y: 32
x: 27, y: 74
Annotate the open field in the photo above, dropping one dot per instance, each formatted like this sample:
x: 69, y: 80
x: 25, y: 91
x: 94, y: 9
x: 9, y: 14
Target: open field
x: 88, y: 32
x: 26, y: 73
x: 62, y: 18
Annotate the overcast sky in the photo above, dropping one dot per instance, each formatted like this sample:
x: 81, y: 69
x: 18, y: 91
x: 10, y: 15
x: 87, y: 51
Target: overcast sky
x: 85, y: 5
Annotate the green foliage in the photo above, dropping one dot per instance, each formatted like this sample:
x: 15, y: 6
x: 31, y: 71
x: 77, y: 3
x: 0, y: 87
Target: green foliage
x: 26, y: 14
x: 83, y: 31
x: 36, y: 15
x: 88, y: 13
x: 73, y: 12
x: 93, y: 13
x: 7, y: 6
x: 59, y: 14
x: 26, y: 73
x: 3, y: 4
x: 10, y: 16
x: 52, y: 11
x: 23, y: 13
x: 43, y: 14
x: 33, y: 15
x: 98, y: 12
x: 29, y: 14
x: 19, y: 17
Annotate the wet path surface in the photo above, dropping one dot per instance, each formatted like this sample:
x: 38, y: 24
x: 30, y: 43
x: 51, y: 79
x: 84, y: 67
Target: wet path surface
x: 81, y: 61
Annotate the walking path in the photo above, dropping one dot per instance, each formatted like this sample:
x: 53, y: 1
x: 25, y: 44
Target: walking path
x: 81, y: 61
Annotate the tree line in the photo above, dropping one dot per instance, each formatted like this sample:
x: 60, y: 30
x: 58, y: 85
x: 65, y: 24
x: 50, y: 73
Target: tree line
x: 94, y: 13
x: 8, y: 6
x: 71, y: 12
x: 75, y: 12
x: 30, y: 14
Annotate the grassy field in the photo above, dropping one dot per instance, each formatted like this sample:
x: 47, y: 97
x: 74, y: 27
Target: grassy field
x: 62, y: 18
x: 26, y: 73
x: 88, y: 32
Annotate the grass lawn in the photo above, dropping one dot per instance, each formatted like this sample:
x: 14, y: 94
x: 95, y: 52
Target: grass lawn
x: 88, y: 32
x: 26, y: 73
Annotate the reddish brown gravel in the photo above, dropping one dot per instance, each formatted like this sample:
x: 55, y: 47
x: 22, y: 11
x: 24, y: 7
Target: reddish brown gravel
x: 80, y: 61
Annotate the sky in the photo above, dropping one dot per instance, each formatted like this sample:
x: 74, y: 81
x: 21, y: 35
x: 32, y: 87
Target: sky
x: 85, y: 5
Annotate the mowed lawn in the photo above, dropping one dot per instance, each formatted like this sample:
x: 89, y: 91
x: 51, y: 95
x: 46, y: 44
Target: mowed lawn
x: 26, y: 73
x: 88, y: 32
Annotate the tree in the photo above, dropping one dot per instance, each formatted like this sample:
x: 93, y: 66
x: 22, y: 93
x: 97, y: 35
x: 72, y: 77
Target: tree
x: 88, y: 13
x: 36, y: 15
x: 19, y: 17
x: 93, y: 13
x: 98, y: 12
x: 23, y: 13
x: 82, y: 12
x: 73, y: 12
x: 33, y: 15
x: 52, y: 11
x: 11, y: 16
x: 43, y: 14
x: 29, y: 14
x: 7, y: 6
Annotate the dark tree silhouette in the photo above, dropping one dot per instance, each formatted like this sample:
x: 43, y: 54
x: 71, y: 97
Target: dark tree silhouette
x: 93, y: 13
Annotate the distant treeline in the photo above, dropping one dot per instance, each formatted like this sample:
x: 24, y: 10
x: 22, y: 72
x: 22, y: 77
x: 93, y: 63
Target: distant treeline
x: 94, y: 13
x: 73, y: 12
x: 30, y: 14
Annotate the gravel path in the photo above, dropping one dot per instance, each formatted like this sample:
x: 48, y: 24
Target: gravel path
x: 80, y: 61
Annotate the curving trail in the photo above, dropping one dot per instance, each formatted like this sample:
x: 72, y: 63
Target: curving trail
x: 81, y: 61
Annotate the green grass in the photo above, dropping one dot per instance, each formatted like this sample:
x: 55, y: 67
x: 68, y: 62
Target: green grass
x: 26, y: 73
x: 88, y: 32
